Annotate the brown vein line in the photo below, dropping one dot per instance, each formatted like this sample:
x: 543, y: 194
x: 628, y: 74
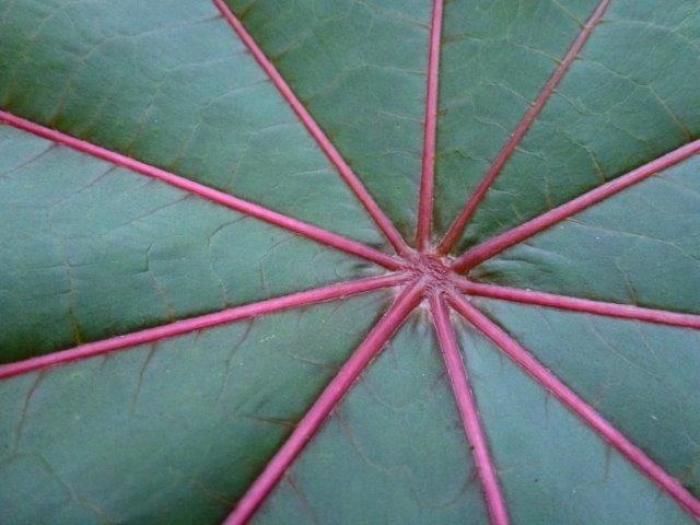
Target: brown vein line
x: 427, y: 184
x: 577, y: 405
x: 497, y: 244
x: 326, y: 402
x: 248, y: 311
x: 466, y: 402
x: 247, y: 208
x: 460, y: 223
x: 344, y: 169
x: 577, y: 304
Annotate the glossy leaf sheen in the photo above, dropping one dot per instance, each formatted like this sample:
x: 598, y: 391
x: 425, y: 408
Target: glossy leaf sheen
x: 243, y: 273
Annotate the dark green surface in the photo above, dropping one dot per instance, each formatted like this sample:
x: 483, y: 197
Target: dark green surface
x: 643, y: 378
x: 169, y: 83
x: 175, y: 434
x: 496, y: 57
x: 631, y: 96
x: 641, y: 247
x: 360, y: 68
x: 171, y: 433
x: 91, y: 250
x: 394, y: 451
x: 553, y: 468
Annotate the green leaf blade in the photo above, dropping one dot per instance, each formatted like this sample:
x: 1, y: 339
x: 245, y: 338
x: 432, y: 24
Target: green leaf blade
x: 96, y: 251
x: 399, y: 433
x: 627, y: 370
x: 171, y: 85
x: 359, y: 68
x: 640, y: 247
x: 207, y: 218
x: 553, y: 468
x: 184, y: 424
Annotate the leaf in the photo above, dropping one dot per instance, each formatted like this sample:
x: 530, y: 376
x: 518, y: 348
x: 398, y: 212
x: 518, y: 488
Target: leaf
x: 429, y: 477
x: 349, y: 262
x: 170, y: 431
x: 609, y: 254
x: 559, y: 470
x: 99, y: 251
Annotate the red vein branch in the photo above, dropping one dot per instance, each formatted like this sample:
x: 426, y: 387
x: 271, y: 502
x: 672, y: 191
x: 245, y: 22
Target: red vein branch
x: 346, y: 172
x: 460, y: 223
x: 160, y: 333
x: 427, y: 183
x: 325, y: 404
x: 505, y: 240
x: 577, y: 405
x: 466, y: 402
x: 224, y: 199
x: 576, y: 304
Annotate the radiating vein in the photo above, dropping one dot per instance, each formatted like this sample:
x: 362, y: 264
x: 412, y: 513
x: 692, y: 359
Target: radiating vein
x: 499, y: 243
x: 326, y: 402
x: 224, y: 199
x: 577, y: 405
x: 159, y: 333
x: 577, y: 304
x: 344, y: 169
x: 471, y: 420
x: 427, y: 182
x: 460, y: 223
